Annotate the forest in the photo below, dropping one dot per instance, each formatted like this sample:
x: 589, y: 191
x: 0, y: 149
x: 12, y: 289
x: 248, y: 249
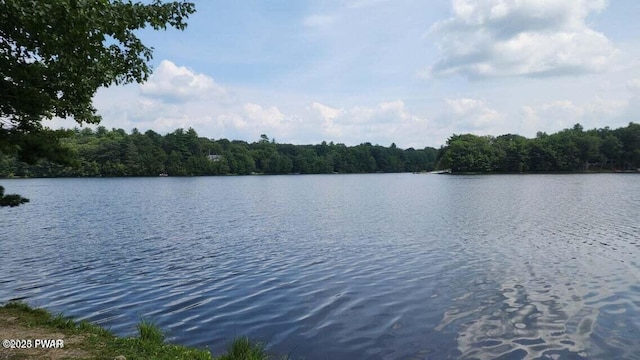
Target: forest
x: 102, y: 152
x: 569, y: 150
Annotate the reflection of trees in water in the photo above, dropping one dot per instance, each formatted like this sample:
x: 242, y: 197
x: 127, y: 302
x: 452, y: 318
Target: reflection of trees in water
x: 519, y: 322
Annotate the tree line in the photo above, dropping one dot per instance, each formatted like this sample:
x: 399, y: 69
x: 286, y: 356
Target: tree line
x: 102, y: 152
x: 571, y: 149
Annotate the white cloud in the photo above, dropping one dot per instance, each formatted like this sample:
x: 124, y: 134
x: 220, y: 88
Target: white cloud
x: 474, y: 115
x: 249, y: 121
x: 384, y: 123
x: 172, y: 83
x: 561, y: 114
x: 236, y: 118
x: 487, y: 38
x: 634, y: 84
x: 327, y: 114
x: 270, y: 116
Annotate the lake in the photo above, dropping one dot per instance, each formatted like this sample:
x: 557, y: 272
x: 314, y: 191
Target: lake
x: 380, y: 266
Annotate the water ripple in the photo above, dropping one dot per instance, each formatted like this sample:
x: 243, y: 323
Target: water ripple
x: 341, y: 267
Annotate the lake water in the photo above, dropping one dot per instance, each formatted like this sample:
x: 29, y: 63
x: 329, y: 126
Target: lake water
x: 384, y: 266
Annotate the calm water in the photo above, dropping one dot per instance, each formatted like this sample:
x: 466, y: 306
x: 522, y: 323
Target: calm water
x: 395, y: 266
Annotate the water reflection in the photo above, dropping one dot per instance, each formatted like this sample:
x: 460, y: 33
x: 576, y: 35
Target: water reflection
x: 341, y: 267
x: 515, y: 322
x: 541, y: 320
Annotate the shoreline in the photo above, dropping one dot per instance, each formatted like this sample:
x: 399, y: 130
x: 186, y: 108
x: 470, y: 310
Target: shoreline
x: 434, y: 172
x: 582, y: 172
x: 35, y: 333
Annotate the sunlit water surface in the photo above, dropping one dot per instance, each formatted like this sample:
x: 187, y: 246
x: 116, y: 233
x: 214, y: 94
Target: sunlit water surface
x: 395, y: 266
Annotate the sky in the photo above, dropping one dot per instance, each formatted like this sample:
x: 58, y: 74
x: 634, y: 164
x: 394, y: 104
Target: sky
x: 409, y: 72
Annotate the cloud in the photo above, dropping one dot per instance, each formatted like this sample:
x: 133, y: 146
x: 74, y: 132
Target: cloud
x: 171, y: 83
x: 473, y: 115
x: 147, y: 107
x: 265, y: 116
x: 245, y: 116
x: 561, y: 114
x: 634, y: 84
x: 327, y: 114
x: 249, y: 121
x: 383, y: 123
x: 492, y: 38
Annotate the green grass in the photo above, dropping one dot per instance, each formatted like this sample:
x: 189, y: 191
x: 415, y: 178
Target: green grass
x: 95, y: 342
x: 148, y: 331
x: 242, y: 348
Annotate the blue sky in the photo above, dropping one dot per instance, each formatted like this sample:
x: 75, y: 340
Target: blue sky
x: 381, y: 71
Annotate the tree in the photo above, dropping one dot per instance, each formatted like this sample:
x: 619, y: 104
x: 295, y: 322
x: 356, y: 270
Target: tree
x: 510, y: 152
x: 11, y: 200
x: 469, y: 153
x: 55, y: 54
x: 610, y: 148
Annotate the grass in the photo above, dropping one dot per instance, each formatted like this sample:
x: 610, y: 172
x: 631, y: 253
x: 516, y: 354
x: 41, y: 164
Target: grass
x: 242, y: 348
x: 149, y: 332
x: 83, y: 340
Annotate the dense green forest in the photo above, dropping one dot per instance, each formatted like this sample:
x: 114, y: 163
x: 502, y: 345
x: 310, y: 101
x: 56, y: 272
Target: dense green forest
x: 103, y: 152
x: 568, y: 150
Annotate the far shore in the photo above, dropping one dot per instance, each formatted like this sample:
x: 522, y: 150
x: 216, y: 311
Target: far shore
x: 434, y: 172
